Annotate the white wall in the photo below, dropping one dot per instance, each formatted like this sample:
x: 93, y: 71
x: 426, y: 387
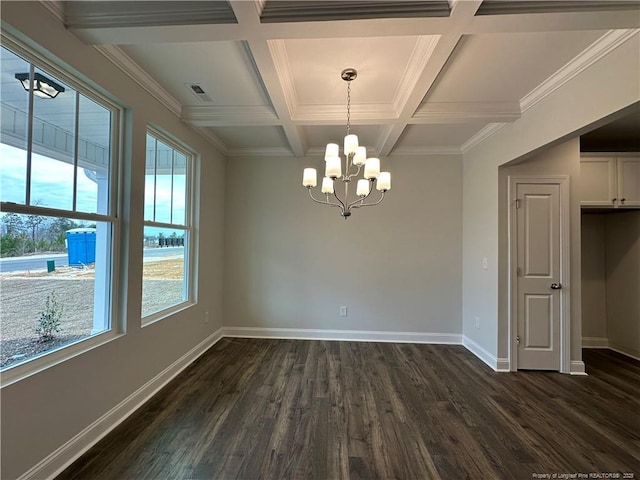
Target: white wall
x: 622, y: 244
x: 594, y: 285
x: 291, y: 263
x: 611, y: 280
x: 602, y: 89
x: 42, y: 412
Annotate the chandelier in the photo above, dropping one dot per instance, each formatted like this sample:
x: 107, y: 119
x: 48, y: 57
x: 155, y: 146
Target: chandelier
x: 355, y: 158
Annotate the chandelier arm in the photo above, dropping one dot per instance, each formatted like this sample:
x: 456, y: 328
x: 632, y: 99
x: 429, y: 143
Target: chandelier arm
x: 342, y: 204
x: 362, y: 199
x: 350, y: 176
x: 323, y: 202
x: 370, y: 204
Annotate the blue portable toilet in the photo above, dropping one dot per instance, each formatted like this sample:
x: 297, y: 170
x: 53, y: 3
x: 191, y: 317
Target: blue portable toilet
x: 81, y: 246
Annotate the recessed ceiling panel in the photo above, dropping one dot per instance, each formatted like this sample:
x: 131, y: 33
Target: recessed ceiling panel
x: 438, y: 135
x: 251, y: 137
x: 506, y: 67
x: 506, y: 7
x: 319, y: 136
x: 314, y: 11
x: 224, y: 71
x: 315, y: 65
x: 101, y: 14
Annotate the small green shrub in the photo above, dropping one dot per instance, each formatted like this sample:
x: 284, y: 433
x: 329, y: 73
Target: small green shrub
x: 49, y: 323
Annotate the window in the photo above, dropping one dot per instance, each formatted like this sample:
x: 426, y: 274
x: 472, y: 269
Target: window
x: 57, y: 212
x: 168, y: 233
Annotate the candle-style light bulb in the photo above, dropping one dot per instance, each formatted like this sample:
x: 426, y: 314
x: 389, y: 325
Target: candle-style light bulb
x: 372, y: 168
x: 327, y: 185
x: 362, y: 190
x: 384, y: 181
x: 333, y: 167
x: 309, y: 177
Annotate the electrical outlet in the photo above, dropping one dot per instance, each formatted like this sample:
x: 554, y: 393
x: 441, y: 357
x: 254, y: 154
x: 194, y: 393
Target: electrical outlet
x: 477, y: 322
x: 343, y: 311
x: 206, y: 317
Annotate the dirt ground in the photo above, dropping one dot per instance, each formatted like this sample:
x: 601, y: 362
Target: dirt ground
x: 22, y: 299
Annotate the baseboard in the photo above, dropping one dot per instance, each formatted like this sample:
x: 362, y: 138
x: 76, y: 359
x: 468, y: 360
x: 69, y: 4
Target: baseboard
x: 629, y: 352
x: 595, y: 342
x: 603, y: 342
x: 497, y: 365
x: 577, y: 368
x: 342, y: 335
x: 503, y: 365
x: 61, y: 458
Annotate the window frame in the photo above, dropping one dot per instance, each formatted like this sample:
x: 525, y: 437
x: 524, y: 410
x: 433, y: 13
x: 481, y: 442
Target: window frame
x: 83, y: 86
x: 189, y: 226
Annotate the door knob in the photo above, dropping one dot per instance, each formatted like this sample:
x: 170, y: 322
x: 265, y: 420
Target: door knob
x: 556, y: 286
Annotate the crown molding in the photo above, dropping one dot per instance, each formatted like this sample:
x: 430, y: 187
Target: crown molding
x: 383, y: 137
x: 481, y: 136
x: 221, y: 116
x: 260, y: 4
x: 210, y: 137
x: 55, y: 8
x: 426, y: 151
x: 601, y: 47
x: 121, y: 60
x: 422, y: 51
x: 260, y: 152
x: 366, y: 114
x: 465, y: 112
x: 319, y: 151
x: 278, y: 51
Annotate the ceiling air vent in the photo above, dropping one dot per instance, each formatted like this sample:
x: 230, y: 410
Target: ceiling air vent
x: 199, y: 92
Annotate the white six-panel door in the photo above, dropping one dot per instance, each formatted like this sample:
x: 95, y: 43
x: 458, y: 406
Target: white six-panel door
x: 538, y: 254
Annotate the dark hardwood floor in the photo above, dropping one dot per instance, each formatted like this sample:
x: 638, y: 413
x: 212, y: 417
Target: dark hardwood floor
x: 292, y: 409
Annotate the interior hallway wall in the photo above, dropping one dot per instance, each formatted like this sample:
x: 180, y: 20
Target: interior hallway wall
x: 594, y: 284
x: 622, y: 251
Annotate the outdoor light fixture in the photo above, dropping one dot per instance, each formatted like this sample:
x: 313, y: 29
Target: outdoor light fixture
x: 355, y: 158
x: 43, y: 87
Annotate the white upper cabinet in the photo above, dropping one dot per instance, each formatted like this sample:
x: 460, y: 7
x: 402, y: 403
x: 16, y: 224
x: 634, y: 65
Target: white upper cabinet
x: 610, y: 181
x: 629, y: 181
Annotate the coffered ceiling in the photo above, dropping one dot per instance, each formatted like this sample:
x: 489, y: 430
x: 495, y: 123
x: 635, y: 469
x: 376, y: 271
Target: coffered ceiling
x: 433, y: 76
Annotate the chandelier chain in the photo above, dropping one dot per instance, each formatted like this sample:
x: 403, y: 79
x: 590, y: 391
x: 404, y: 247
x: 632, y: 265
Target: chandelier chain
x: 348, y: 106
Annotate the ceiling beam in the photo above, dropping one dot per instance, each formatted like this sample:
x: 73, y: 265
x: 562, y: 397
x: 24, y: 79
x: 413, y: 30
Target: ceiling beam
x: 380, y: 27
x: 248, y: 15
x: 461, y: 15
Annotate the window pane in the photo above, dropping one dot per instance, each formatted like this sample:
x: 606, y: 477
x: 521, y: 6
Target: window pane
x: 179, y: 189
x: 163, y: 270
x: 13, y: 128
x: 94, y: 145
x: 164, y: 167
x: 150, y: 179
x: 53, y: 147
x: 57, y: 297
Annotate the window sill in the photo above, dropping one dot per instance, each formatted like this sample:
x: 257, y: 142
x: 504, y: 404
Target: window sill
x: 167, y: 312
